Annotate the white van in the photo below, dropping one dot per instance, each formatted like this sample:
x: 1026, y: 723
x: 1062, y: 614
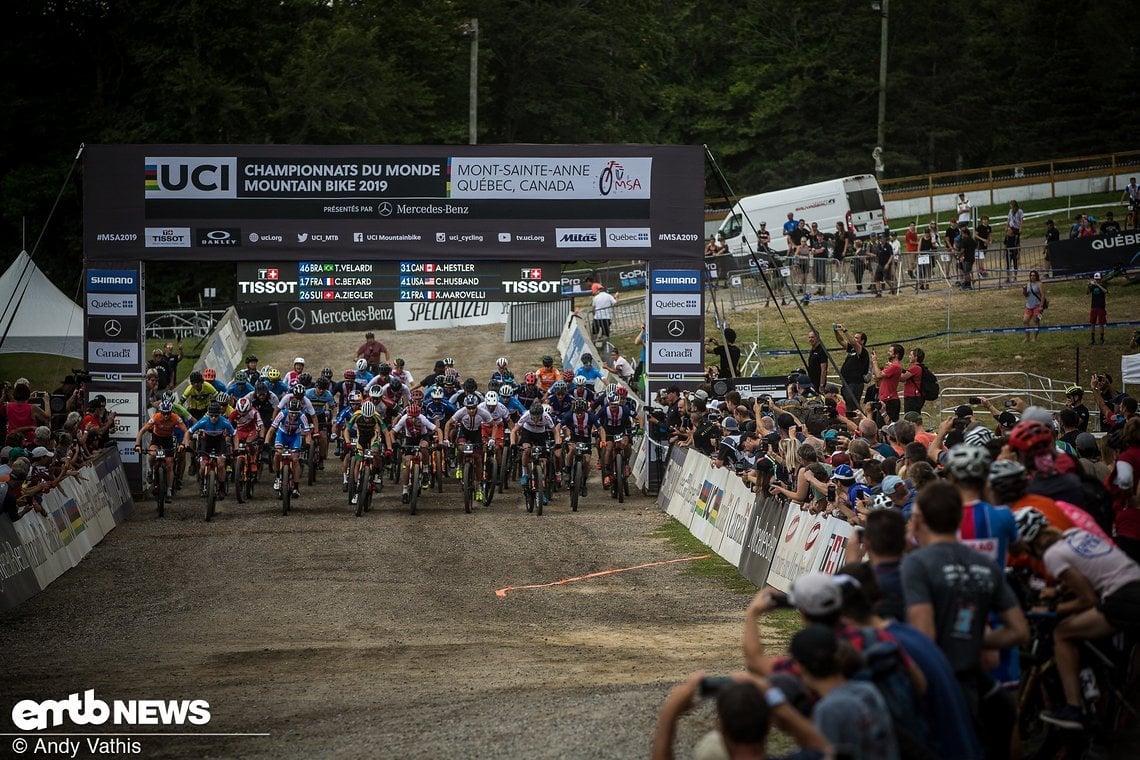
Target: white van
x: 855, y: 201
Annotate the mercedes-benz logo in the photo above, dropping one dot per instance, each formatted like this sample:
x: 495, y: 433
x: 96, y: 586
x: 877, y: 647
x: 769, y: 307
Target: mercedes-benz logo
x: 296, y: 319
x: 386, y: 209
x: 676, y: 328
x: 112, y: 328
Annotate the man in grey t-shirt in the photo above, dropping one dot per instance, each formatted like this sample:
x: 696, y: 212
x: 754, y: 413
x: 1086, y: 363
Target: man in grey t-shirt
x: 950, y: 590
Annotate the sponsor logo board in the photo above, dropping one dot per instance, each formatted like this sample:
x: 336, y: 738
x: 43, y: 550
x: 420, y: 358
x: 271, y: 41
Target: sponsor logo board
x: 218, y: 237
x: 628, y: 237
x: 190, y: 177
x: 103, y: 305
x: 675, y: 281
x: 578, y: 237
x: 106, y: 352
x: 675, y: 306
x: 112, y: 281
x: 167, y: 237
x: 675, y: 352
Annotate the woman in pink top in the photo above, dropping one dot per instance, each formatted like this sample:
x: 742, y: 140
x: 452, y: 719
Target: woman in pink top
x: 22, y: 416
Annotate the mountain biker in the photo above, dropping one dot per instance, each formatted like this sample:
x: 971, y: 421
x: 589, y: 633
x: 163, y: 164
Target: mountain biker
x: 502, y: 373
x: 508, y: 399
x: 161, y: 427
x: 294, y: 376
x: 1105, y: 584
x: 984, y: 527
x: 579, y: 426
x: 247, y: 422
x: 470, y: 388
x: 401, y: 372
x: 263, y: 400
x: 211, y: 377
x: 588, y: 370
x: 241, y: 385
x: 216, y: 434
x: 438, y: 409
x: 324, y: 408
x: 198, y: 395
x: 529, y: 392
x: 466, y: 426
x: 502, y: 422
x: 559, y: 399
x: 533, y: 429
x: 583, y: 389
x: 416, y: 430
x: 547, y: 374
x: 615, y: 421
x: 355, y: 399
x: 363, y: 375
x: 292, y: 430
x: 394, y: 395
x: 277, y: 386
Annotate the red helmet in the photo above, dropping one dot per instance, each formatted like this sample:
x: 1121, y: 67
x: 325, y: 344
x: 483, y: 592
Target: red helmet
x: 568, y: 375
x: 530, y: 378
x: 418, y: 394
x: 414, y: 410
x: 350, y: 374
x: 1027, y: 436
x: 209, y: 375
x: 622, y: 391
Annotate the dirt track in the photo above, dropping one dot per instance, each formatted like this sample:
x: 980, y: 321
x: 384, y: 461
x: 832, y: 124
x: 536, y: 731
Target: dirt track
x: 382, y: 636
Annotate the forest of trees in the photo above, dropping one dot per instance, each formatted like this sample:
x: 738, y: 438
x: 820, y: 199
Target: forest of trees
x: 782, y: 91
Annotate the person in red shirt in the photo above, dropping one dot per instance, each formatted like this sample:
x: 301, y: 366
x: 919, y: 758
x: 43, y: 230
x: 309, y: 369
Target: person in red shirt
x: 911, y: 241
x: 372, y: 351
x: 913, y: 399
x: 888, y: 378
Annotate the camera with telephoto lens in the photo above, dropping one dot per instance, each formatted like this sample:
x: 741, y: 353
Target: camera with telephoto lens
x: 82, y: 376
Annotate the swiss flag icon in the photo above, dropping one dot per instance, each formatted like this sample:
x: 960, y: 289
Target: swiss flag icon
x: 328, y: 295
x: 272, y: 274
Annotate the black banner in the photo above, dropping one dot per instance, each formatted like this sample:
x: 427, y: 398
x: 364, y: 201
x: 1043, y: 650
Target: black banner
x: 1099, y: 252
x: 282, y: 318
x: 761, y: 540
x: 17, y: 579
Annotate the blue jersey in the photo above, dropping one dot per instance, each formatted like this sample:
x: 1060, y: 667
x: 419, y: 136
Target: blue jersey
x: 322, y: 401
x: 219, y: 386
x: 345, y: 414
x: 205, y: 425
x: 363, y: 376
x: 439, y: 409
x: 580, y: 425
x: 513, y: 405
x: 987, y: 529
x: 237, y: 390
x: 591, y: 373
x: 527, y: 394
x: 291, y: 422
x: 559, y: 406
x: 278, y: 388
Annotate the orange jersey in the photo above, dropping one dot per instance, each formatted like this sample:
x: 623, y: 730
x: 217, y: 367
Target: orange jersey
x: 163, y: 426
x: 547, y: 377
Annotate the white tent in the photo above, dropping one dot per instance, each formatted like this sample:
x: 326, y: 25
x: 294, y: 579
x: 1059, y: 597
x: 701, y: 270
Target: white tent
x: 45, y: 322
x: 1130, y: 369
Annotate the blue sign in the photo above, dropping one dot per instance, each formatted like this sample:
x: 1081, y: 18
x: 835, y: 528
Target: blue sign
x: 675, y: 281
x: 112, y: 281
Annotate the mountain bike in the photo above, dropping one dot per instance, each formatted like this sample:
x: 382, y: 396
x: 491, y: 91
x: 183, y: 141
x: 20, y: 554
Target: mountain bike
x: 315, y: 459
x: 285, y: 474
x: 160, y: 473
x: 465, y: 459
x: 416, y: 474
x: 210, y: 485
x: 619, y: 482
x: 246, y: 467
x: 538, y: 487
x: 579, y: 471
x: 367, y: 482
x: 491, y: 470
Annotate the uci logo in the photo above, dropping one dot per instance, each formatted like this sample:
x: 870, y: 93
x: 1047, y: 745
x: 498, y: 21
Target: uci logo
x: 192, y: 177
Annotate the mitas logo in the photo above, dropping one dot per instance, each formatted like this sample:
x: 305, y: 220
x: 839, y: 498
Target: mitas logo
x: 190, y: 177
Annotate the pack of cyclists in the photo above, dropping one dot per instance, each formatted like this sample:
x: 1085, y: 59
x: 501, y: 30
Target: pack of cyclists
x: 383, y: 412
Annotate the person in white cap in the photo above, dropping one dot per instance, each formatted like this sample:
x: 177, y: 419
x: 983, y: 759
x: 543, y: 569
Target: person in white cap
x: 1098, y: 309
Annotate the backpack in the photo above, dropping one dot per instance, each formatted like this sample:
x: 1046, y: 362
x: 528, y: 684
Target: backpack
x: 1097, y: 501
x: 885, y: 667
x: 928, y: 384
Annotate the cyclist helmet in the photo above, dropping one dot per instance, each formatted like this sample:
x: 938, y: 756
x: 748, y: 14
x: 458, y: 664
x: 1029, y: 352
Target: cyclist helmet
x: 196, y: 377
x: 395, y: 383
x: 305, y: 379
x: 448, y: 361
x: 881, y: 501
x: 548, y: 361
x: 470, y: 401
x: 613, y: 398
x: 547, y: 409
x: 623, y: 391
x: 1006, y: 471
x: 323, y: 382
x: 240, y: 376
x: 470, y: 385
x: 501, y: 362
x: 536, y: 409
x: 375, y: 391
x: 243, y: 406
x: 350, y: 374
x: 558, y: 388
x: 327, y: 373
x: 361, y: 365
x: 214, y: 409
x: 250, y: 358
x: 273, y: 374
x: 384, y: 369
x: 1075, y: 390
x: 530, y: 378
x: 437, y: 393
x: 587, y: 358
x: 579, y: 380
x: 298, y: 360
x: 978, y: 436
x: 261, y: 389
x: 223, y: 399
x: 1030, y: 435
x: 297, y: 390
x: 449, y: 382
x: 506, y: 390
x: 209, y: 374
x: 492, y: 399
x: 966, y: 462
x: 294, y: 405
x: 355, y: 397
x: 418, y: 395
x: 414, y: 410
x: 368, y: 409
x: 568, y: 375
x: 579, y: 405
x: 399, y: 362
x: 1030, y: 523
x: 168, y: 396
x: 165, y: 407
x: 843, y: 473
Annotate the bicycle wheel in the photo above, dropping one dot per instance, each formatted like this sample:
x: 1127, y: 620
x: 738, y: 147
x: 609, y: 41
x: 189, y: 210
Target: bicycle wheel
x: 211, y: 493
x: 314, y: 452
x: 286, y: 487
x: 529, y: 491
x: 239, y: 480
x: 468, y: 486
x: 362, y: 488
x: 576, y: 481
x: 414, y: 482
x: 160, y: 497
x: 539, y: 486
x: 490, y: 478
x: 619, y: 477
x: 503, y: 472
x: 437, y: 470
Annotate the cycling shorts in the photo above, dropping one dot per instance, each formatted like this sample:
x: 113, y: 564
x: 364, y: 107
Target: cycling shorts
x: 533, y: 438
x: 416, y: 440
x: 212, y: 444
x: 470, y: 436
x: 485, y: 431
x: 288, y: 440
x: 163, y: 442
x: 367, y: 438
x: 246, y: 434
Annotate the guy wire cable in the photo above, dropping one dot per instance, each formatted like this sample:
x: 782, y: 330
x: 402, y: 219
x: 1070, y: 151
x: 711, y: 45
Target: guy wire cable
x: 15, y: 304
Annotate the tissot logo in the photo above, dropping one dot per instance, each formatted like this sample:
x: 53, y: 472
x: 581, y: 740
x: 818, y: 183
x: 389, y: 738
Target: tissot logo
x: 190, y: 177
x: 578, y: 237
x: 167, y: 237
x: 218, y: 238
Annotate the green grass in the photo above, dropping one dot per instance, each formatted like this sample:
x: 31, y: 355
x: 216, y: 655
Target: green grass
x: 683, y: 542
x: 45, y: 371
x: 191, y: 352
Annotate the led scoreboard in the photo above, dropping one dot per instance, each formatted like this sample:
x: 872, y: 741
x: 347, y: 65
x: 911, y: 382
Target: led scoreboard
x: 395, y: 281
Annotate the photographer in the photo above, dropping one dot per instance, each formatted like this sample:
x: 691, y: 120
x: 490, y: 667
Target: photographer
x: 729, y: 354
x: 707, y: 433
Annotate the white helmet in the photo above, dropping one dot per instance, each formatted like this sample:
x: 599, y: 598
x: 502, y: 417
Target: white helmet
x: 547, y: 408
x: 501, y: 362
x: 491, y: 398
x: 361, y: 365
x: 299, y: 360
x: 368, y: 409
x: 967, y: 462
x: 579, y: 380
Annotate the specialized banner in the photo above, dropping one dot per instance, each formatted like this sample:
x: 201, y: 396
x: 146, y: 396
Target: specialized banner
x: 302, y: 202
x: 1099, y: 252
x: 438, y: 315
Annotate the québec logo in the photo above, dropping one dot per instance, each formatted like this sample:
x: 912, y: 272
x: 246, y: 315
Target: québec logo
x: 29, y: 715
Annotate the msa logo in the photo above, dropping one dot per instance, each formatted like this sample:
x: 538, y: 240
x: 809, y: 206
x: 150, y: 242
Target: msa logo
x: 192, y: 177
x: 578, y: 237
x: 167, y: 237
x: 220, y: 238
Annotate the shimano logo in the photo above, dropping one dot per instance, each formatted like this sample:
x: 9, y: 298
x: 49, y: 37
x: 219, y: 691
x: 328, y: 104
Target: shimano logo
x: 29, y: 715
x: 112, y: 281
x: 675, y: 281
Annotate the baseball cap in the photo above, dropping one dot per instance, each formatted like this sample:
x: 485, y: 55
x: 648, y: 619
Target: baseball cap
x: 831, y: 388
x: 891, y: 482
x: 1007, y: 420
x: 673, y: 389
x: 839, y: 459
x: 1037, y: 414
x: 1096, y: 276
x: 702, y: 395
x: 803, y: 381
x: 1086, y: 442
x: 963, y: 411
x: 913, y: 416
x: 843, y: 472
x: 40, y: 451
x: 830, y: 434
x: 816, y: 594
x: 730, y: 424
